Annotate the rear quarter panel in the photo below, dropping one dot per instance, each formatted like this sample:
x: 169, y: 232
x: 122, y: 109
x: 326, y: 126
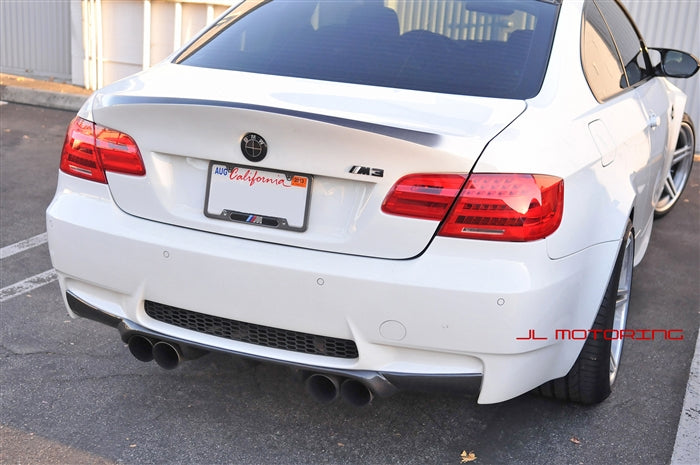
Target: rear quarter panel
x: 553, y: 137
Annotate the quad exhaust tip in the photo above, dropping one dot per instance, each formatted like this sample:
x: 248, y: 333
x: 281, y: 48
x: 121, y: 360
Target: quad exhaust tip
x: 167, y: 355
x: 355, y: 393
x: 327, y: 388
x: 322, y: 387
x: 141, y: 348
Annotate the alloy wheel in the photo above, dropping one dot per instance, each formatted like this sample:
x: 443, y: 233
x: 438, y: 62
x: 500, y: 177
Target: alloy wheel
x: 679, y: 172
x: 622, y: 302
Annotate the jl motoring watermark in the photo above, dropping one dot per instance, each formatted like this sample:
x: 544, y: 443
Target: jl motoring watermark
x: 608, y: 335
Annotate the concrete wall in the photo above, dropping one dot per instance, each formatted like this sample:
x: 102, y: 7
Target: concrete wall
x: 122, y: 37
x: 35, y: 38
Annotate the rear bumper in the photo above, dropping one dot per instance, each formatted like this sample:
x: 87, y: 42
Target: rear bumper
x: 381, y: 384
x: 457, y: 312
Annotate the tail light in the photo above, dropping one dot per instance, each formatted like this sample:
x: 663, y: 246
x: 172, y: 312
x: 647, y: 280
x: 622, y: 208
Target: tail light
x: 502, y: 207
x: 425, y: 196
x: 90, y: 150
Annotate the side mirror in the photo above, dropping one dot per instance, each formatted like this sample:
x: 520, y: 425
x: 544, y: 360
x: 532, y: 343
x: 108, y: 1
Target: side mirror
x: 677, y: 64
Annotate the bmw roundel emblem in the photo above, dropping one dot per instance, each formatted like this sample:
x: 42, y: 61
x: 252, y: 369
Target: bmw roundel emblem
x: 253, y: 146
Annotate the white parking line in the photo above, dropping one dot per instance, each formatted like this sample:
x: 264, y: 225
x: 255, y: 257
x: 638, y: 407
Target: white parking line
x: 21, y: 246
x: 33, y: 282
x: 687, y: 447
x: 27, y: 285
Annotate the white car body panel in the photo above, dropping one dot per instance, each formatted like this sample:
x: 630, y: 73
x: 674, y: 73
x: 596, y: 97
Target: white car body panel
x: 345, y: 210
x: 413, y: 302
x: 625, y: 121
x: 444, y: 337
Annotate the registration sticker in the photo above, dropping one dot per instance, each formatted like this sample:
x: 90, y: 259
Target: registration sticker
x: 244, y: 194
x: 300, y: 181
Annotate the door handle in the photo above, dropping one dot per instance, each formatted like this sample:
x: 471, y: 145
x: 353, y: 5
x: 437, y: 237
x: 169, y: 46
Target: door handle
x: 654, y: 120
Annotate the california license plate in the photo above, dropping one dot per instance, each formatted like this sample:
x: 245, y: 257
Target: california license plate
x: 276, y: 199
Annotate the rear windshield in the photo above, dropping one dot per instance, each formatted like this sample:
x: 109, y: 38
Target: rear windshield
x: 488, y: 48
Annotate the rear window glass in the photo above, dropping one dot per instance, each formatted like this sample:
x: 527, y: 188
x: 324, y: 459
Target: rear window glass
x: 486, y: 48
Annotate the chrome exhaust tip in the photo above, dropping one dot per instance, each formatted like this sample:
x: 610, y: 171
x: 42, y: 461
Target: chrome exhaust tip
x: 141, y: 348
x: 167, y: 355
x: 355, y: 393
x: 323, y: 388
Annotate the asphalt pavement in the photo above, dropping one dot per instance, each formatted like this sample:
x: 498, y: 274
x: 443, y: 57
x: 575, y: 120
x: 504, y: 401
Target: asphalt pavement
x: 70, y: 393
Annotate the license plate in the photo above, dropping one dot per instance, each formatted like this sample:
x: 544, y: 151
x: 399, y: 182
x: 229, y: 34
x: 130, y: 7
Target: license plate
x: 276, y: 199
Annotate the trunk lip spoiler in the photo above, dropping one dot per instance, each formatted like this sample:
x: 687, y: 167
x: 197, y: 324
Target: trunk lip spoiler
x: 426, y: 139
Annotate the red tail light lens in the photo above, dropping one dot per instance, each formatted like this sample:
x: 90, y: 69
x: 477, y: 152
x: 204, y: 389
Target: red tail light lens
x: 90, y: 150
x: 79, y: 156
x: 507, y: 207
x: 425, y: 196
x: 118, y: 152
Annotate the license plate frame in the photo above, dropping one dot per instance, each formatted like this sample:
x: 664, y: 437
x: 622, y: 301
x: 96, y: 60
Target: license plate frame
x: 260, y: 197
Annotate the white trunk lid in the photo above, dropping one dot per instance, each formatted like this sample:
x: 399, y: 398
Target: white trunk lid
x: 339, y: 137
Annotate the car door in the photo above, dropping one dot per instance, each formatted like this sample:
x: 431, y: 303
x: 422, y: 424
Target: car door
x: 653, y: 98
x: 630, y: 126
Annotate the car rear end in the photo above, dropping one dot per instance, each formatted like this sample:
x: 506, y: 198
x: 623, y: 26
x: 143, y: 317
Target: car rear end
x: 322, y: 210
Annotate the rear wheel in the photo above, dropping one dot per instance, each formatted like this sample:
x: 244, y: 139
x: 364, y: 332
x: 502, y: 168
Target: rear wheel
x: 590, y: 379
x: 679, y: 172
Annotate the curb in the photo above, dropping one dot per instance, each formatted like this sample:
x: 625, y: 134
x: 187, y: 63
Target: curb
x: 42, y: 98
x: 687, y: 448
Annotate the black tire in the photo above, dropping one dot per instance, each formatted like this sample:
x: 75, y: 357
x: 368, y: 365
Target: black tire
x: 679, y: 172
x: 590, y: 379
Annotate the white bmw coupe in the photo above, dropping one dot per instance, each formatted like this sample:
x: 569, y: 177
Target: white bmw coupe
x: 382, y: 195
